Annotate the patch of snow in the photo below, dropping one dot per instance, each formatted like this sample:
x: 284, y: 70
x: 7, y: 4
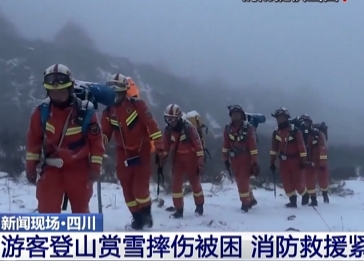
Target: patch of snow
x: 30, y: 48
x: 222, y: 210
x: 145, y: 88
x: 114, y: 66
x: 14, y: 62
x: 213, y: 123
x: 31, y: 79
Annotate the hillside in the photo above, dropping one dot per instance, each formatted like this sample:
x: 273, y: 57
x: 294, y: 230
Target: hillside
x: 22, y: 63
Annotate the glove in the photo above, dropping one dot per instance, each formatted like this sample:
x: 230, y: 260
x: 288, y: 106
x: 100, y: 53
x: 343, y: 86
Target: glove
x: 254, y: 169
x: 32, y: 177
x: 273, y: 167
x: 227, y: 164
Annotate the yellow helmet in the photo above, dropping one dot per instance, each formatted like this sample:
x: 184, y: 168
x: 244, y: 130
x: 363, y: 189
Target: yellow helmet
x: 118, y: 82
x: 57, y: 76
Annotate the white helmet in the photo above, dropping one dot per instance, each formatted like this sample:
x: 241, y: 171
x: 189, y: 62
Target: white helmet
x: 118, y: 82
x: 173, y: 110
x: 57, y: 76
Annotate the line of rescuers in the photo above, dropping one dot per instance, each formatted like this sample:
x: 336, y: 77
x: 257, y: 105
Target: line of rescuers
x: 301, y: 151
x: 65, y: 127
x: 67, y: 132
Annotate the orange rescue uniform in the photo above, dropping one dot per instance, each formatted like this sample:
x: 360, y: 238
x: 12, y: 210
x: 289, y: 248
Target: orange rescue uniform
x: 317, y: 154
x: 133, y: 126
x: 133, y: 91
x: 240, y: 147
x: 289, y: 146
x: 188, y: 156
x: 81, y: 155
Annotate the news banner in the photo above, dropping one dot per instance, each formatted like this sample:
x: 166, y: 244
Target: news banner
x: 82, y: 237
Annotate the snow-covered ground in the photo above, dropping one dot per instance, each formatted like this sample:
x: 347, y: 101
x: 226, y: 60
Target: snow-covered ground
x: 222, y: 210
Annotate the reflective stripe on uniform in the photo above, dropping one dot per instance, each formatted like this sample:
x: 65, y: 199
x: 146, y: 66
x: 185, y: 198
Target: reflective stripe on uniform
x: 113, y: 122
x: 73, y: 131
x: 32, y: 156
x: 143, y: 200
x: 253, y: 152
x: 131, y: 118
x: 199, y: 153
x: 244, y: 195
x: 177, y: 195
x: 49, y: 127
x: 278, y: 138
x: 132, y: 204
x: 156, y: 135
x: 96, y: 159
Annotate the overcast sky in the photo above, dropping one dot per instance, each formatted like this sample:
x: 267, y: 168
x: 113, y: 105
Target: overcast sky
x: 270, y: 44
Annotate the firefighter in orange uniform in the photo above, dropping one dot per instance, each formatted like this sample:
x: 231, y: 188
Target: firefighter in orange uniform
x: 73, y: 155
x: 133, y: 127
x: 240, y: 149
x: 317, y: 156
x: 133, y: 91
x: 288, y: 145
x: 182, y: 138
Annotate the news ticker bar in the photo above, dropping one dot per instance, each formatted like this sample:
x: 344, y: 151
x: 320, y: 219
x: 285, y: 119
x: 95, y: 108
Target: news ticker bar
x: 51, y: 222
x: 182, y: 246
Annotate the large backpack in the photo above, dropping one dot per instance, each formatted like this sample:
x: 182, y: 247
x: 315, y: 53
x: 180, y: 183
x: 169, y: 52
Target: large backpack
x: 94, y: 92
x: 299, y: 124
x: 321, y: 127
x: 255, y: 118
x: 195, y: 119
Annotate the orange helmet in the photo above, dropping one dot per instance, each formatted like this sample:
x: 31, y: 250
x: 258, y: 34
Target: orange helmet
x: 133, y: 88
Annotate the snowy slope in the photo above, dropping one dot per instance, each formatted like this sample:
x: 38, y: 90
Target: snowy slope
x: 222, y: 211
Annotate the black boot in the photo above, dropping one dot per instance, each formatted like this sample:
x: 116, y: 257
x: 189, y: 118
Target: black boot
x: 253, y: 202
x: 177, y: 214
x: 292, y: 202
x: 245, y: 207
x: 326, y: 197
x: 305, y: 199
x: 137, y: 221
x: 199, y: 210
x: 313, y: 201
x: 147, y: 216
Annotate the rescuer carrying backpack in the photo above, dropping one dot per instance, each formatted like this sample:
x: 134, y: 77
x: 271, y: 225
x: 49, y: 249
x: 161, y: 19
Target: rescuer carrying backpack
x: 195, y: 118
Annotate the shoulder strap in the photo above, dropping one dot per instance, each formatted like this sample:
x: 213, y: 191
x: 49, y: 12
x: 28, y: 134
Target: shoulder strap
x: 44, y: 114
x: 85, y: 114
